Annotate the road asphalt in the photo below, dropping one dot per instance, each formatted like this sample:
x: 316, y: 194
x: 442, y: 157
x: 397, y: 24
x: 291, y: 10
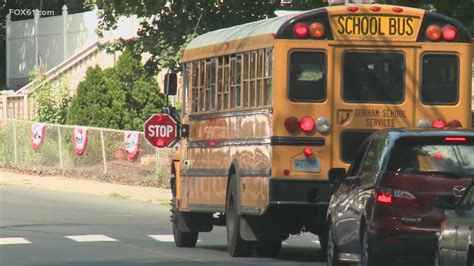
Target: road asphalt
x: 68, y: 184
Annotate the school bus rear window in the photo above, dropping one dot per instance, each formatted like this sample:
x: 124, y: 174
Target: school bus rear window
x: 307, y: 76
x: 373, y: 77
x: 440, y: 79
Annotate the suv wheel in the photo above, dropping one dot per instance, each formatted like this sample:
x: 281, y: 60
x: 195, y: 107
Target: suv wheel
x: 331, y: 249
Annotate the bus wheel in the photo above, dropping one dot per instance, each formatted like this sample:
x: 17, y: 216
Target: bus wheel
x: 235, y: 244
x: 268, y: 249
x: 181, y: 239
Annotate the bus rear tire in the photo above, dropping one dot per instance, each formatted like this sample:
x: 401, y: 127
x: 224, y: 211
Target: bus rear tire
x: 236, y: 246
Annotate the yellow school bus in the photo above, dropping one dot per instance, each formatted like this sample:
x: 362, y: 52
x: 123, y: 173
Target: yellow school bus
x: 272, y: 105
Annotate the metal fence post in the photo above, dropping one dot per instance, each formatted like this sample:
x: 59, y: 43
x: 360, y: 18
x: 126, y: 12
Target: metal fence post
x: 15, y: 148
x: 103, y: 150
x: 60, y: 149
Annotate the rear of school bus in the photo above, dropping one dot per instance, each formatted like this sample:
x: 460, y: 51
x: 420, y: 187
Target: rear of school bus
x: 342, y: 72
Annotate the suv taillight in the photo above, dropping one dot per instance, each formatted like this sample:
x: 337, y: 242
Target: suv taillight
x: 397, y: 198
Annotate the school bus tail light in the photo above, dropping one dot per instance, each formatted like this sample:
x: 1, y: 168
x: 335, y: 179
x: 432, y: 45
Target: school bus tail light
x: 439, y: 123
x: 301, y: 30
x: 423, y: 123
x: 323, y: 124
x: 316, y: 30
x: 454, y: 124
x: 433, y: 32
x: 307, y: 124
x: 292, y: 124
x: 449, y: 33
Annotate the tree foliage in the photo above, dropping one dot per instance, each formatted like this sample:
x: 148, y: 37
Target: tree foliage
x: 122, y: 97
x: 51, y: 99
x: 167, y: 28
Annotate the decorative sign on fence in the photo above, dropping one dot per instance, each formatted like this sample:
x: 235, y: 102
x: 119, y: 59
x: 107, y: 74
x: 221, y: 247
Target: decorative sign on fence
x: 37, y: 135
x: 132, y: 144
x: 79, y: 139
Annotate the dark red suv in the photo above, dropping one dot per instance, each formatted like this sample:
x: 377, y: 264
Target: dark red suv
x: 385, y: 203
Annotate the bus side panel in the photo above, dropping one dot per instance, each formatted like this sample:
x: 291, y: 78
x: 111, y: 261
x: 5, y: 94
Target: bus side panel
x: 216, y: 141
x: 462, y: 110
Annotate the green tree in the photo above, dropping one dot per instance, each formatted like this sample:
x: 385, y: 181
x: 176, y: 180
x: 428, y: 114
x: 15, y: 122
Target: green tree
x: 51, y: 99
x: 167, y: 28
x: 122, y: 97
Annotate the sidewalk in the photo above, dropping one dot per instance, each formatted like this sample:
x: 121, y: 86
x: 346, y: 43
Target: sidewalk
x: 60, y: 183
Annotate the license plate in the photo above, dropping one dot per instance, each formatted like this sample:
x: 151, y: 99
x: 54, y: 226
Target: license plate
x: 307, y: 165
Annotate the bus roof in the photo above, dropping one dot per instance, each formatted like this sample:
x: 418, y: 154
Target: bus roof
x: 262, y: 33
x: 260, y: 27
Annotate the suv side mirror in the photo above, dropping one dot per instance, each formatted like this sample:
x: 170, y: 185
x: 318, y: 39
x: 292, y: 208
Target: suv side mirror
x: 446, y: 202
x: 171, y: 84
x: 336, y: 175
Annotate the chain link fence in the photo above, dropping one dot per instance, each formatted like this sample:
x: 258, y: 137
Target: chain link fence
x: 105, y: 158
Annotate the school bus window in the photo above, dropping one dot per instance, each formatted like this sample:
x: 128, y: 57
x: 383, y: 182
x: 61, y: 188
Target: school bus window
x: 253, y: 63
x: 220, y: 82
x: 260, y: 65
x: 236, y: 65
x: 307, y: 76
x: 267, y: 85
x: 186, y: 69
x: 202, y: 107
x: 226, y: 82
x: 440, y: 79
x: 212, y: 84
x: 245, y: 80
x: 373, y: 77
x: 195, y: 92
x: 207, y: 85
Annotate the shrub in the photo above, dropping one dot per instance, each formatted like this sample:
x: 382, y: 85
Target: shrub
x: 122, y: 97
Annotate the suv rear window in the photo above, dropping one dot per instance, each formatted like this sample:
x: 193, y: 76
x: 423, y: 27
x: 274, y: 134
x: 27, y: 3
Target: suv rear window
x: 307, y: 76
x: 373, y: 77
x: 435, y: 155
x: 440, y: 79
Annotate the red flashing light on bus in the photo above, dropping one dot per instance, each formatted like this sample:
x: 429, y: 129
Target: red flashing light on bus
x: 375, y: 8
x: 353, y: 8
x: 301, y: 30
x: 449, y: 33
x: 397, y: 9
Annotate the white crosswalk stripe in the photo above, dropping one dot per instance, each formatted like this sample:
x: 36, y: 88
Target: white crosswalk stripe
x: 91, y: 238
x: 13, y: 241
x: 162, y: 238
x: 166, y: 238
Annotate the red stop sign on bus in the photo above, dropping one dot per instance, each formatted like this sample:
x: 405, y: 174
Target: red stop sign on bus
x: 161, y: 130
